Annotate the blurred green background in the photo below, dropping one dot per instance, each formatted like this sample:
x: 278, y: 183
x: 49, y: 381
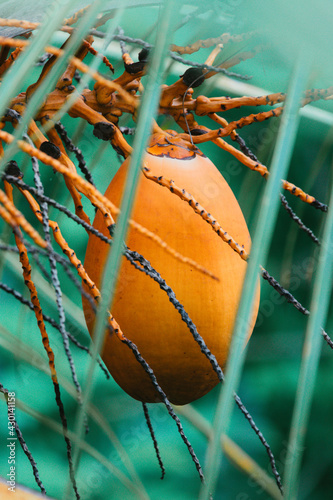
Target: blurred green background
x: 270, y: 374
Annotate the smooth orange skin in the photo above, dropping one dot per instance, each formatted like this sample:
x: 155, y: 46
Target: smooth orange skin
x: 143, y: 311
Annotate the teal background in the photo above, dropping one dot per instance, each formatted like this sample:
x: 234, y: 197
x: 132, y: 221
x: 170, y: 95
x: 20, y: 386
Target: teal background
x: 271, y: 371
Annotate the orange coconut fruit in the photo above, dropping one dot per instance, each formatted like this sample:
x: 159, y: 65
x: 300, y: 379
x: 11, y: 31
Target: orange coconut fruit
x: 142, y: 309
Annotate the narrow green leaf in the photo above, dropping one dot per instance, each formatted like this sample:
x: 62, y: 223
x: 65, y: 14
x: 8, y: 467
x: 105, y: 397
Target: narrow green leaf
x: 263, y: 234
x: 148, y: 110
